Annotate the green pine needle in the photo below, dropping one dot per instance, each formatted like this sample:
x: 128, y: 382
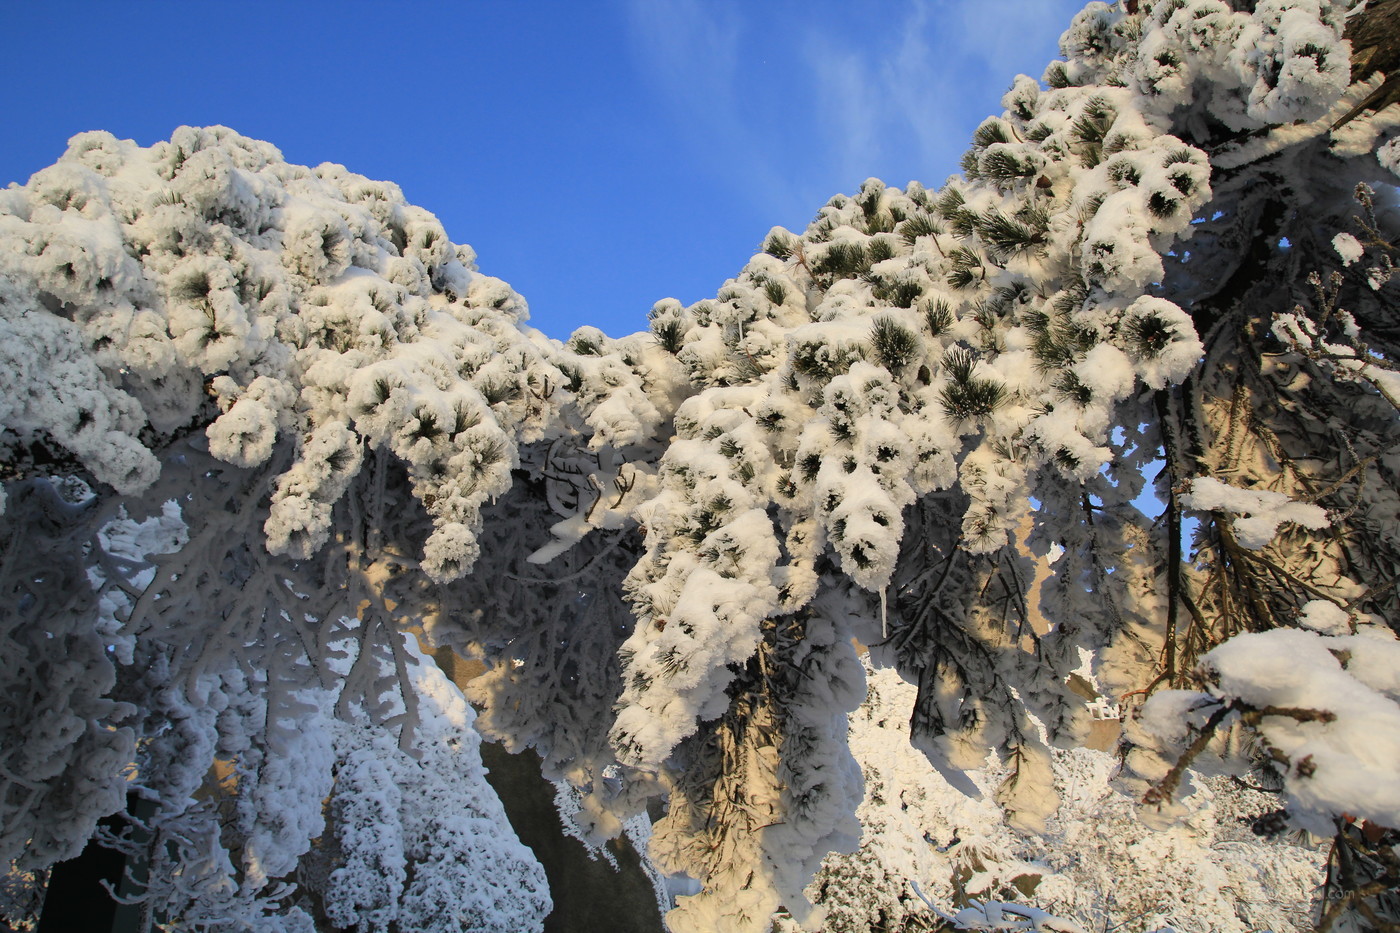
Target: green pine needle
x: 992, y: 130
x: 972, y: 399
x: 844, y: 261
x: 778, y: 245
x: 915, y: 227
x: 895, y: 346
x: 881, y: 248
x: 1008, y: 235
x: 427, y: 428
x: 669, y: 333
x: 938, y: 317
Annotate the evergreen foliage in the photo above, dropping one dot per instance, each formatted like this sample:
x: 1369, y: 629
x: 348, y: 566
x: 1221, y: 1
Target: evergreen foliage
x: 261, y: 420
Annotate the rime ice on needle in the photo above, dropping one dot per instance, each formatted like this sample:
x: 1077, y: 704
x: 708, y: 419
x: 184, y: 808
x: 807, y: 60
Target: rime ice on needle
x: 855, y: 422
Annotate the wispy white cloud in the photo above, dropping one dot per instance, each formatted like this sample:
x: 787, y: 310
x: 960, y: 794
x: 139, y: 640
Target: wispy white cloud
x: 997, y: 29
x: 693, y: 48
x: 848, y: 91
x: 894, y: 88
x: 917, y: 87
x: 695, y: 52
x: 792, y: 103
x: 905, y: 93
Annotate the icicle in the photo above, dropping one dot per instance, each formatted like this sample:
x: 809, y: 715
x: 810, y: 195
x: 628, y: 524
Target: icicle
x: 884, y: 615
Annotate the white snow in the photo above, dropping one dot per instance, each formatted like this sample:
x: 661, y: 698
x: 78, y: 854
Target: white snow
x: 1348, y: 247
x: 858, y: 423
x: 1259, y: 512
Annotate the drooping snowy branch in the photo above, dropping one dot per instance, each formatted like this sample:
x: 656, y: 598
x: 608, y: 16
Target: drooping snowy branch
x: 663, y: 544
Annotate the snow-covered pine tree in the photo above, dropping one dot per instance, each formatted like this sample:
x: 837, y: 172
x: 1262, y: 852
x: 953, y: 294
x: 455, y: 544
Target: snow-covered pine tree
x: 297, y: 377
x: 1118, y: 285
x: 1170, y: 257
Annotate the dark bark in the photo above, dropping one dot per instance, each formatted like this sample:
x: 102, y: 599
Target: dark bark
x: 1375, y: 47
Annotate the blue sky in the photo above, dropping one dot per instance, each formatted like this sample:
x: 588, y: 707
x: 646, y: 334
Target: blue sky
x: 599, y: 155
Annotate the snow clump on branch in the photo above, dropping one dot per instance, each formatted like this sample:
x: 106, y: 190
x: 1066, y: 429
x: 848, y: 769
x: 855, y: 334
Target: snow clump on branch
x: 204, y: 282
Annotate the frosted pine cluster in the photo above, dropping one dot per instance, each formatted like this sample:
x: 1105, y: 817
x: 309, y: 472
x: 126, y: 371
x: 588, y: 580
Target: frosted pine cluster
x: 1110, y: 414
